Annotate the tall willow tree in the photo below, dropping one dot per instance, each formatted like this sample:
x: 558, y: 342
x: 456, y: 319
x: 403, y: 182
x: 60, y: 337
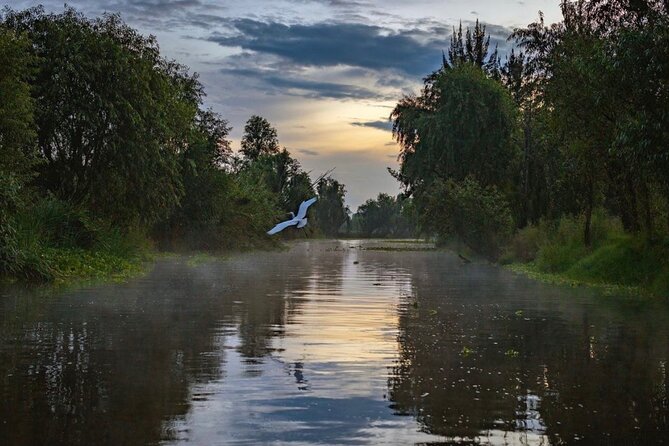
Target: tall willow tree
x: 458, y: 137
x: 112, y: 114
x: 461, y: 125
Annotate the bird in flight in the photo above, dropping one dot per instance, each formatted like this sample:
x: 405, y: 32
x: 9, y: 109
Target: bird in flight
x: 300, y: 219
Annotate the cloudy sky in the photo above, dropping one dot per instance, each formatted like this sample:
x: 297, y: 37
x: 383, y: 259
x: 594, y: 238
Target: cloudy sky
x: 325, y: 73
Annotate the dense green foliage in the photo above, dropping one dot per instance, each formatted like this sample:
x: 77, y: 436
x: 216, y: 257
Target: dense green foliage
x: 462, y: 125
x: 17, y: 133
x: 104, y: 144
x: 606, y: 97
x: 10, y: 200
x: 479, y: 215
x: 55, y: 240
x: 111, y: 115
x: 572, y: 126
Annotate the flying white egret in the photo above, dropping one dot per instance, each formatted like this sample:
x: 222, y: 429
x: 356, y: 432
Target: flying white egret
x: 300, y: 219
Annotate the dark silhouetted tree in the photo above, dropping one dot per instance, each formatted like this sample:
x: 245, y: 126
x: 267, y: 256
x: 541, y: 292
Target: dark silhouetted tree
x: 259, y: 139
x: 330, y: 210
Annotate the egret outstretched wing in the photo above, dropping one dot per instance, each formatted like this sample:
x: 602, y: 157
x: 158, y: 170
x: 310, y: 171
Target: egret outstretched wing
x: 299, y: 219
x: 283, y: 225
x: 302, y: 212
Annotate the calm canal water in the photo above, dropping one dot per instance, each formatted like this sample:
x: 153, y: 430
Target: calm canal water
x: 330, y: 343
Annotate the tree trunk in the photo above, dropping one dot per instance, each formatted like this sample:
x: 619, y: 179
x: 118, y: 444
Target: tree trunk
x: 587, y: 237
x: 631, y: 206
x: 527, y: 211
x: 647, y: 210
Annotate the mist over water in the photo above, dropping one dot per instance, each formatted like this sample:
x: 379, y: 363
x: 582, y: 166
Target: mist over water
x: 331, y: 343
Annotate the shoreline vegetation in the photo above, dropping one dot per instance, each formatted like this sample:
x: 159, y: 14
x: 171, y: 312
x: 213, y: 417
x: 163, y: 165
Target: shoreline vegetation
x: 531, y: 271
x: 616, y: 262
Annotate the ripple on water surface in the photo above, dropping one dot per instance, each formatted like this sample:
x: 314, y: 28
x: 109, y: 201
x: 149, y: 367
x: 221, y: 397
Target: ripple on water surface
x: 351, y: 342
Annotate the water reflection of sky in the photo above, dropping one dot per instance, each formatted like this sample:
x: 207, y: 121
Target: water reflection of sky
x: 332, y: 344
x: 326, y: 379
x: 281, y: 406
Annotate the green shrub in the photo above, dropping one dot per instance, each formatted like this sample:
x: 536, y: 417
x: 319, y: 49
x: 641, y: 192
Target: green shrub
x: 56, y: 240
x: 620, y: 262
x: 556, y: 258
x: 660, y: 285
x: 56, y: 223
x: 604, y: 228
x: 479, y: 216
x: 525, y: 244
x: 561, y: 243
x: 631, y: 261
x: 614, y: 259
x: 128, y: 243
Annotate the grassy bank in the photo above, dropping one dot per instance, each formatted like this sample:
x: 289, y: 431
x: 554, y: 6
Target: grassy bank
x: 616, y: 262
x: 69, y: 265
x: 52, y: 241
x: 74, y: 264
x: 56, y: 242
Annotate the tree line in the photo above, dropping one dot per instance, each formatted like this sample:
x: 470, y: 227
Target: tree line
x: 570, y: 130
x: 383, y: 217
x: 102, y: 138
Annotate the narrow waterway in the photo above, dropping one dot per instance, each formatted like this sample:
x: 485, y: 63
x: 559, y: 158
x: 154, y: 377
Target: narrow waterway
x: 331, y: 342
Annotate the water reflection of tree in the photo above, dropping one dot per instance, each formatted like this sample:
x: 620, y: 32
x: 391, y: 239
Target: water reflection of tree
x: 272, y: 288
x: 114, y: 365
x: 585, y: 368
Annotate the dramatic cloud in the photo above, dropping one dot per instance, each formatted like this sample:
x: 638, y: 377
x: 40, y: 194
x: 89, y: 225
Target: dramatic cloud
x: 301, y: 86
x: 331, y: 44
x: 381, y: 125
x: 157, y: 7
x: 342, y: 3
x: 314, y: 89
